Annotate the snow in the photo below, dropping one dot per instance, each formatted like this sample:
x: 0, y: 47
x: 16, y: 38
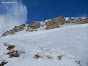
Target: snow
x: 66, y: 18
x: 70, y: 42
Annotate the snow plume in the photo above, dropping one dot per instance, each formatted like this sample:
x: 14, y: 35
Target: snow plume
x: 11, y: 14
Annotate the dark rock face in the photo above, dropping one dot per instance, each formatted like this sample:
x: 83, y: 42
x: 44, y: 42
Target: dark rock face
x: 33, y: 25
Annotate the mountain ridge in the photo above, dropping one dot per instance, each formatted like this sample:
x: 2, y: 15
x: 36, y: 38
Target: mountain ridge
x: 47, y: 24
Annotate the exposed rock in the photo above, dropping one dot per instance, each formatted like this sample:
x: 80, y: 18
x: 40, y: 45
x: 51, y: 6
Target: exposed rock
x: 30, y: 25
x: 59, y: 57
x: 47, y: 24
x: 80, y: 21
x: 8, y: 32
x: 37, y: 56
x: 15, y: 29
x: 70, y: 20
x: 31, y: 30
x: 52, y: 24
x: 43, y: 57
x: 33, y: 25
x: 18, y: 28
x: 23, y: 25
x: 86, y: 20
x: 77, y: 20
x: 60, y: 20
x: 5, y: 34
x: 35, y: 30
x: 11, y: 32
x: 10, y: 47
x: 36, y: 25
x: 13, y: 53
x: 3, y: 63
x: 78, y: 62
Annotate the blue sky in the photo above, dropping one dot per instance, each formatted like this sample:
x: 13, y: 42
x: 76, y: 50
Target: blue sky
x: 45, y: 9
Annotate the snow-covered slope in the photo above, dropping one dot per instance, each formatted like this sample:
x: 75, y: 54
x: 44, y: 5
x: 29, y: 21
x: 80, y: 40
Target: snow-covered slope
x: 64, y: 46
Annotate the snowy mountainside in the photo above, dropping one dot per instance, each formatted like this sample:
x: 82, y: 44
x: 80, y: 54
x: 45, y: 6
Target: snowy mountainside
x: 64, y: 46
x: 47, y: 24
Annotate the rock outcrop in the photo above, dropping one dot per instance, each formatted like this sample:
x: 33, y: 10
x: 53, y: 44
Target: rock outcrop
x: 86, y: 20
x: 14, y: 30
x: 80, y: 21
x: 70, y: 20
x: 6, y: 33
x: 55, y: 22
x: 47, y: 24
x: 60, y: 20
x: 33, y: 25
x: 77, y: 20
x: 52, y: 24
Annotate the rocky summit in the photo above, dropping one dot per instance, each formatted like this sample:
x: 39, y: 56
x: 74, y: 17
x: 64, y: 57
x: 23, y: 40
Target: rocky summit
x: 47, y: 24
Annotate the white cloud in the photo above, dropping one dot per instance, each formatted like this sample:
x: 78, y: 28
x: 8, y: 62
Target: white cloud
x: 12, y: 15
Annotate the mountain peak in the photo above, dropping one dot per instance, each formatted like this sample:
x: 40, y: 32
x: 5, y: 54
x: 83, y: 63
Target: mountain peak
x: 47, y: 24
